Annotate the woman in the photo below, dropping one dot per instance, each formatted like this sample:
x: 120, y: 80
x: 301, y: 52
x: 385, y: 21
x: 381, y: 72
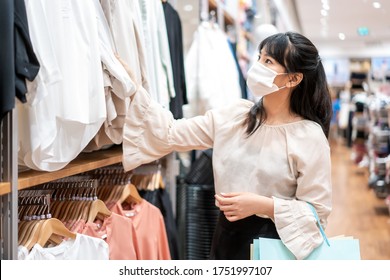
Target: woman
x: 269, y: 158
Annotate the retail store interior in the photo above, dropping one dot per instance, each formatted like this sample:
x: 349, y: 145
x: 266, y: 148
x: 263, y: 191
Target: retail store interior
x: 353, y: 43
x: 353, y: 39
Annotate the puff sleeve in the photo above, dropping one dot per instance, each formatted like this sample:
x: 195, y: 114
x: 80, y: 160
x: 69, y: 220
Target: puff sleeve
x: 293, y: 218
x: 151, y: 132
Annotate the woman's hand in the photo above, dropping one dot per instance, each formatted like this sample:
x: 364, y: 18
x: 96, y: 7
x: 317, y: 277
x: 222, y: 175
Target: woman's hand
x: 237, y: 206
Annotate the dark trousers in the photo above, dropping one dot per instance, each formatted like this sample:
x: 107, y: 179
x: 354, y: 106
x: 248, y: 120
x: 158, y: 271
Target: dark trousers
x: 232, y: 240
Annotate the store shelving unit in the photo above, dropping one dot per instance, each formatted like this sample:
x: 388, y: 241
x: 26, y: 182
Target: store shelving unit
x: 84, y: 162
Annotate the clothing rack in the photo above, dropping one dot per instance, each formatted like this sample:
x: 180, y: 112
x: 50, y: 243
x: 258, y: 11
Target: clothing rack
x: 29, y: 179
x: 12, y: 181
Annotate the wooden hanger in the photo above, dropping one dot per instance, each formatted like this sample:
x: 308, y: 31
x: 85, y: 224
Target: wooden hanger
x: 79, y: 213
x: 157, y: 181
x: 24, y: 231
x: 103, y: 191
x: 65, y: 210
x: 84, y: 211
x: 114, y: 194
x: 51, y: 227
x: 98, y: 207
x: 130, y: 195
x: 34, y: 235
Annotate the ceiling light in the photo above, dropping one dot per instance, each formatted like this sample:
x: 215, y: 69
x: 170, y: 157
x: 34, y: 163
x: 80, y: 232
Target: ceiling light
x: 324, y: 12
x: 342, y: 36
x: 376, y: 5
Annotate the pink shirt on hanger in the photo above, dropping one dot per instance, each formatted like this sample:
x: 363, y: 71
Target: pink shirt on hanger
x: 150, y: 230
x: 119, y: 233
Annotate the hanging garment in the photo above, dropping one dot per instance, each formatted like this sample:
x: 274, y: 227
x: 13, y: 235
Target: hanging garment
x: 117, y: 97
x: 158, y: 58
x: 22, y: 253
x: 26, y: 62
x: 233, y: 47
x: 119, y: 233
x: 125, y: 36
x: 65, y: 114
x: 7, y: 69
x: 124, y: 20
x: 211, y: 71
x: 175, y: 40
x: 82, y: 248
x: 160, y: 198
x: 150, y: 230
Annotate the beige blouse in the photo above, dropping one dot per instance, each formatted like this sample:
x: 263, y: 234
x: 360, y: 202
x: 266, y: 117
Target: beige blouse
x: 289, y: 162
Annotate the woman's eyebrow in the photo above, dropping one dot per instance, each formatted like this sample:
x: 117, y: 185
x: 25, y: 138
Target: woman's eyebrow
x: 264, y: 53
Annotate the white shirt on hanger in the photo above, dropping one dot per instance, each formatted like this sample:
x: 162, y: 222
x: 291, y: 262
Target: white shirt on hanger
x: 158, y: 57
x: 211, y: 71
x: 84, y: 247
x: 56, y: 129
x: 123, y: 18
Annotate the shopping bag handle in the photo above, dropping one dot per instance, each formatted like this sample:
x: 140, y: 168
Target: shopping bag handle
x: 319, y: 224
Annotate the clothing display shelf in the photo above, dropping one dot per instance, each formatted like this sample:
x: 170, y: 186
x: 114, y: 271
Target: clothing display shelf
x: 84, y: 162
x: 12, y: 181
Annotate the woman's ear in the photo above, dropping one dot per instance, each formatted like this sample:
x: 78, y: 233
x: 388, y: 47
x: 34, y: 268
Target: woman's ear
x: 295, y: 79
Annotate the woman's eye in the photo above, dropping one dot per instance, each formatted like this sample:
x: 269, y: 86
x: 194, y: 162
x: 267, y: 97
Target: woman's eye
x: 268, y: 61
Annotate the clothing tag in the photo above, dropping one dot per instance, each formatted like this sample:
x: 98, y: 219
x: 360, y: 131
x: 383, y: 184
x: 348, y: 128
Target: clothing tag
x: 130, y: 214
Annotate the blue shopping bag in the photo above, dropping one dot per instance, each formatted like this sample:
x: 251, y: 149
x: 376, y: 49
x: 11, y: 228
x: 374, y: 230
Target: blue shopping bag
x: 337, y: 249
x: 333, y: 249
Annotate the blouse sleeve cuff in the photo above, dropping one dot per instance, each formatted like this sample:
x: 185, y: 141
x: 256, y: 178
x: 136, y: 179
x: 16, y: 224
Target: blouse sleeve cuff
x: 143, y: 141
x: 299, y: 233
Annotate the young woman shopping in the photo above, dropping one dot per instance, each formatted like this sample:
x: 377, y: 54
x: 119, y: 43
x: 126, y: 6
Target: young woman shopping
x: 270, y: 157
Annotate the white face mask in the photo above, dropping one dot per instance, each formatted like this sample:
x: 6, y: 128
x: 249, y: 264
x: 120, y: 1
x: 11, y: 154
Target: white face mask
x: 260, y: 80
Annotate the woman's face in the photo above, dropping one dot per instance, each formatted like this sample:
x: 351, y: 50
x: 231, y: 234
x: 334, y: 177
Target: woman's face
x: 271, y: 63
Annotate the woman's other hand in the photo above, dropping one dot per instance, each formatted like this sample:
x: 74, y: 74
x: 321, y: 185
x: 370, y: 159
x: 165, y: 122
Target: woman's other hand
x: 239, y: 205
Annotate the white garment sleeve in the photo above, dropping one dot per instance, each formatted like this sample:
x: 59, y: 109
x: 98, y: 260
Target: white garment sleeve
x: 151, y: 132
x: 121, y: 82
x: 49, y: 72
x: 294, y: 220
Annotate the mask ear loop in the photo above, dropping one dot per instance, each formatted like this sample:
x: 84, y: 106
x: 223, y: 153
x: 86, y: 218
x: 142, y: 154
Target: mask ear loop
x: 279, y: 74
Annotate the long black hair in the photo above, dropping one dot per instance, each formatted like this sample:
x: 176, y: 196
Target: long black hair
x: 311, y: 98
